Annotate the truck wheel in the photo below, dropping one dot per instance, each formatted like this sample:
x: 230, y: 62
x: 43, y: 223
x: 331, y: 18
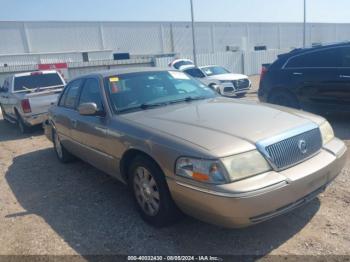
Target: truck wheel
x: 151, y: 194
x: 22, y: 126
x: 284, y: 99
x: 62, y: 154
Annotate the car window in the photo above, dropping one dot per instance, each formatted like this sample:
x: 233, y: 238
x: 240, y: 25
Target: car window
x: 90, y: 93
x: 179, y: 64
x: 70, y: 94
x: 317, y: 59
x: 195, y: 72
x: 215, y: 70
x: 37, y: 80
x: 136, y: 89
x: 345, y: 57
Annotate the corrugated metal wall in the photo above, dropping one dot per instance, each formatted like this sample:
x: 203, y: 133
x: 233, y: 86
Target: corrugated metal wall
x: 158, y: 37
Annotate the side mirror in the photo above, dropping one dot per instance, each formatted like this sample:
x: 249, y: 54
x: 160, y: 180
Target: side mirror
x: 3, y: 89
x: 89, y: 109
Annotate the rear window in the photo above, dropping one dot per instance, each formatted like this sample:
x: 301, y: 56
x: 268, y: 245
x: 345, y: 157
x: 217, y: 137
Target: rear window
x: 35, y: 81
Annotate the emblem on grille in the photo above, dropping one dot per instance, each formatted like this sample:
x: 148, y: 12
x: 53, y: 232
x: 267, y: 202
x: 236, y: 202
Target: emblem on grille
x: 302, y: 146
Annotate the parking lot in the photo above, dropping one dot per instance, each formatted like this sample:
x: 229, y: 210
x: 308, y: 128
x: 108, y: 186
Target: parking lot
x: 50, y: 208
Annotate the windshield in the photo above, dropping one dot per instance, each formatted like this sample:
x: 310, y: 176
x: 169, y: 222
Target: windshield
x: 37, y: 81
x: 215, y: 70
x: 195, y: 72
x: 139, y: 91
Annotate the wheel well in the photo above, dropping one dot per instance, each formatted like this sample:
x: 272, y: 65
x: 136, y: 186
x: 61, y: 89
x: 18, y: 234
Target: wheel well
x: 127, y: 159
x: 279, y: 90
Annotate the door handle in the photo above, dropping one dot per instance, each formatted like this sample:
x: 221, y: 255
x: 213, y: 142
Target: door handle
x: 297, y: 73
x: 344, y: 76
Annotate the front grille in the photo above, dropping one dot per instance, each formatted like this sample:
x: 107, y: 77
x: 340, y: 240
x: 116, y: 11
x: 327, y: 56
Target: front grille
x: 294, y: 150
x: 241, y: 84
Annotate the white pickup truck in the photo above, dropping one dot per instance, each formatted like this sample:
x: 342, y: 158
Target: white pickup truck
x: 26, y: 97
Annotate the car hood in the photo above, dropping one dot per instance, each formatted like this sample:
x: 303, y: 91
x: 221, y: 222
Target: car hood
x: 221, y: 125
x: 228, y: 77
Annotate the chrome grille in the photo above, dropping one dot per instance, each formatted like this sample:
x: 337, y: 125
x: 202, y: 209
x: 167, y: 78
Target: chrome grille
x: 293, y: 150
x: 241, y: 84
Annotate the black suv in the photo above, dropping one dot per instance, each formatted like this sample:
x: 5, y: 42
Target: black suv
x: 315, y: 79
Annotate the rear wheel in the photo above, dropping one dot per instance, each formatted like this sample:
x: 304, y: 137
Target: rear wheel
x: 284, y: 99
x: 151, y: 194
x: 22, y: 126
x: 62, y: 154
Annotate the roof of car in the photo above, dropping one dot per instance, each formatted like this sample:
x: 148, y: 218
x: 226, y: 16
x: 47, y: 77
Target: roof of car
x: 316, y: 47
x: 115, y: 72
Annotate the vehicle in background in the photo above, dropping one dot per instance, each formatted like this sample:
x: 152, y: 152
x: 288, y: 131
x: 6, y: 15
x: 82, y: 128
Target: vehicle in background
x: 178, y: 145
x: 315, y: 79
x: 198, y: 74
x: 178, y: 63
x: 220, y: 79
x: 26, y: 97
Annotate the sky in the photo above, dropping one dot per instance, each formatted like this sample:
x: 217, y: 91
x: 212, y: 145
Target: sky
x: 326, y: 11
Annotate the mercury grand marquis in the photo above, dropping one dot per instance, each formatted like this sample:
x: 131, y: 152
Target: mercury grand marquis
x: 181, y: 148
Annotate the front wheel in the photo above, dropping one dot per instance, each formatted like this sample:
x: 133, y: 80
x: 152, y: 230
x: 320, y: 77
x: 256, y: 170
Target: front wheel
x: 151, y: 194
x: 241, y: 95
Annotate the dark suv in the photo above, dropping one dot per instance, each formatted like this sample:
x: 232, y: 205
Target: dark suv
x: 314, y: 79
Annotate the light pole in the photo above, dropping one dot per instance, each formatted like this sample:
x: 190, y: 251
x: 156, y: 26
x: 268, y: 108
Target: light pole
x: 304, y: 30
x: 193, y: 35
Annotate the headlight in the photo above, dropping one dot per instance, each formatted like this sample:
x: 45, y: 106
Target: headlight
x: 206, y: 171
x: 326, y: 132
x: 226, y: 81
x: 245, y: 165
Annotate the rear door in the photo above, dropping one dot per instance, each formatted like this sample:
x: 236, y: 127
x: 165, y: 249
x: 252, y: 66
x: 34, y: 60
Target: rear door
x: 65, y: 114
x: 343, y: 90
x: 315, y: 77
x: 91, y: 131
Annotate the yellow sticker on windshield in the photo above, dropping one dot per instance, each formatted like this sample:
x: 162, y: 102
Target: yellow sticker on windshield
x: 113, y: 79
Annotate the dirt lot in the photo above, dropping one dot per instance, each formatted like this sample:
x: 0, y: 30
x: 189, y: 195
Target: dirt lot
x: 50, y: 208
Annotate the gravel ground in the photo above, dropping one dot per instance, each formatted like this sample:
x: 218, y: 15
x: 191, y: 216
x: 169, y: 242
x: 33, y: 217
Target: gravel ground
x: 50, y: 208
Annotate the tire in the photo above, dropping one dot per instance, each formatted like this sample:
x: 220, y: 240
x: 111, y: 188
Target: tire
x: 22, y: 126
x: 214, y: 87
x: 62, y: 154
x: 284, y: 99
x: 151, y: 194
x: 241, y: 95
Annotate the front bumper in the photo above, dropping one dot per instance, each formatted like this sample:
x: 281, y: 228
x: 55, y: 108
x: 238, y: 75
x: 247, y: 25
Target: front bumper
x: 261, y: 197
x: 235, y: 91
x: 32, y: 120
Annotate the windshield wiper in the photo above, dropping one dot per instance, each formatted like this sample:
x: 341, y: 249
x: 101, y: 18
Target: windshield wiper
x: 144, y: 106
x: 188, y: 99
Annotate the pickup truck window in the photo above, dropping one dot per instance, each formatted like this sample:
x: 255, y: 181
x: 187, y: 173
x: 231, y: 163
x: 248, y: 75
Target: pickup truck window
x: 35, y: 81
x: 91, y: 93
